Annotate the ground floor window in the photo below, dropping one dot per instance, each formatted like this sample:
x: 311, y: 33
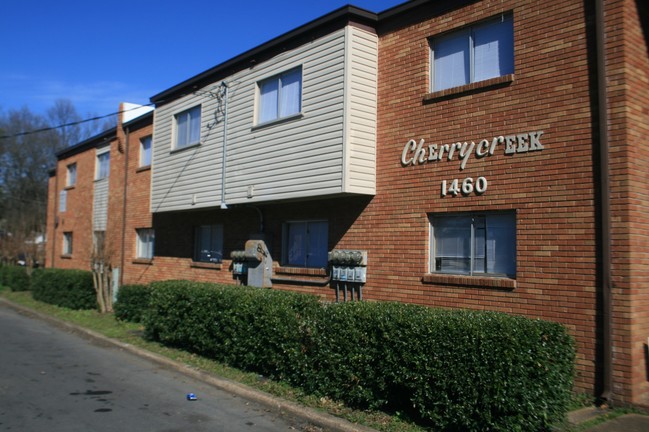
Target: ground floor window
x: 208, y: 243
x: 144, y: 243
x: 67, y: 243
x: 305, y: 243
x: 471, y: 244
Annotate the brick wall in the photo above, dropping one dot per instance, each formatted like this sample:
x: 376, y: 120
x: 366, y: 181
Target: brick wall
x: 138, y: 214
x: 77, y: 218
x: 552, y: 191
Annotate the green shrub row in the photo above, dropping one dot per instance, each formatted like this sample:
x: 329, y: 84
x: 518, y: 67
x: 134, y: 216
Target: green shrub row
x: 72, y: 289
x: 452, y: 370
x: 14, y: 277
x: 132, y: 302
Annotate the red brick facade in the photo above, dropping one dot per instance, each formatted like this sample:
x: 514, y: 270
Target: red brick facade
x: 550, y: 101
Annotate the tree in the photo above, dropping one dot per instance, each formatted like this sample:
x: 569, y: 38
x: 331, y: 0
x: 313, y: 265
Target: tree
x: 24, y: 163
x: 25, y: 160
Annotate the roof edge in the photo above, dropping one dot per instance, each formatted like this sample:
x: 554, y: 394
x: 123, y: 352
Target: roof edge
x: 91, y: 142
x: 350, y: 12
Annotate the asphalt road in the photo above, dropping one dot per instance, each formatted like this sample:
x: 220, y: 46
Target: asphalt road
x: 52, y: 380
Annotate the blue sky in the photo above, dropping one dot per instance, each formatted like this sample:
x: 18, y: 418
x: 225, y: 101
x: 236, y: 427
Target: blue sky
x: 100, y: 53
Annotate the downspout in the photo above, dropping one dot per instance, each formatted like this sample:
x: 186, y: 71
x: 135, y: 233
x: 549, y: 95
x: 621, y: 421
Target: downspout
x: 225, y: 143
x: 123, y: 260
x: 56, y: 211
x: 605, y: 206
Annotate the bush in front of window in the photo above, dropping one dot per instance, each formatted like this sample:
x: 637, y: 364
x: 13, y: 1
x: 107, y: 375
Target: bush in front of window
x: 72, y: 289
x: 132, y: 302
x: 451, y: 370
x: 14, y: 277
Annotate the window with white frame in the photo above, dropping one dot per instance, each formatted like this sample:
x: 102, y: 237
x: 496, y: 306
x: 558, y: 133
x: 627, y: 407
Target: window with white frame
x: 144, y: 244
x: 67, y: 243
x: 63, y: 200
x: 71, y: 177
x: 188, y: 127
x: 280, y: 96
x: 145, y: 151
x: 306, y: 243
x: 473, y: 54
x: 103, y: 165
x: 208, y: 243
x: 474, y: 244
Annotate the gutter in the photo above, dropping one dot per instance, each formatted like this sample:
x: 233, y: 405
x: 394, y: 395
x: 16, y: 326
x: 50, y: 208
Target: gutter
x: 605, y: 207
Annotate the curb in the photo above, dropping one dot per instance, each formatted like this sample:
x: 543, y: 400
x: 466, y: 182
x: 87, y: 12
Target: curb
x: 317, y: 418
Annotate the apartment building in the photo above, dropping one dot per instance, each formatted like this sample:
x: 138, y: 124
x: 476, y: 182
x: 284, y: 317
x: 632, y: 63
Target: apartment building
x: 462, y: 154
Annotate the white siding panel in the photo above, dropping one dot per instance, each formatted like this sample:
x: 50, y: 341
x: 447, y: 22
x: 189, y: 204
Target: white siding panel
x: 361, y: 115
x: 297, y: 158
x: 301, y: 157
x: 100, y: 205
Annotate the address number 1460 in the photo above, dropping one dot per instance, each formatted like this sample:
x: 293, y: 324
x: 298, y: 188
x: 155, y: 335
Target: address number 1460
x: 466, y: 187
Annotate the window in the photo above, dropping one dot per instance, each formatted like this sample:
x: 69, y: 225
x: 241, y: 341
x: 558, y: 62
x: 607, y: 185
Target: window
x: 208, y: 243
x: 67, y: 243
x: 63, y: 200
x: 305, y: 243
x: 145, y: 151
x: 71, y: 178
x: 472, y: 244
x: 103, y: 165
x: 188, y: 127
x: 280, y: 96
x: 473, y: 54
x: 144, y: 246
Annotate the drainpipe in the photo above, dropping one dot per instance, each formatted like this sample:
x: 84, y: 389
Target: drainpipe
x: 126, y: 145
x: 56, y: 212
x: 605, y: 207
x: 225, y: 142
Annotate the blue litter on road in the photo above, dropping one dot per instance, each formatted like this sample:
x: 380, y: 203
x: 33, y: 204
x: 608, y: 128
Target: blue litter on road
x: 191, y: 397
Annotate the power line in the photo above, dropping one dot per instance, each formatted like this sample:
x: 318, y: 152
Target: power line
x: 35, y: 131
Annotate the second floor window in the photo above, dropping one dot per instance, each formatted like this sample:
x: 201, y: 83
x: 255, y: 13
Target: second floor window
x: 280, y: 96
x: 71, y: 178
x: 188, y: 127
x: 473, y: 54
x: 103, y: 165
x: 145, y: 151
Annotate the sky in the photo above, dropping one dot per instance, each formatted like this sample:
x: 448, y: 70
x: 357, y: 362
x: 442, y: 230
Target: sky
x: 100, y: 53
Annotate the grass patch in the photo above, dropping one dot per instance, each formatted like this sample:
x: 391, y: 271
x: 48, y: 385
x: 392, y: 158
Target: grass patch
x: 131, y: 333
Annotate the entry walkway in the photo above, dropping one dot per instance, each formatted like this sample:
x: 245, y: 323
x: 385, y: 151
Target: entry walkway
x: 625, y: 423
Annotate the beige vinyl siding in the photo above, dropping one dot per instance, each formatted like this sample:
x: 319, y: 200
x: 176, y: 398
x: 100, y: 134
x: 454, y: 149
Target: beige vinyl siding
x: 189, y: 177
x: 361, y: 92
x: 297, y: 158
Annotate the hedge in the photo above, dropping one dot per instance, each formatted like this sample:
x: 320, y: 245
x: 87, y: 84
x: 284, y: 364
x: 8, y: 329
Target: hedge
x: 14, y: 277
x: 248, y: 328
x: 451, y: 370
x: 132, y: 302
x: 72, y: 289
